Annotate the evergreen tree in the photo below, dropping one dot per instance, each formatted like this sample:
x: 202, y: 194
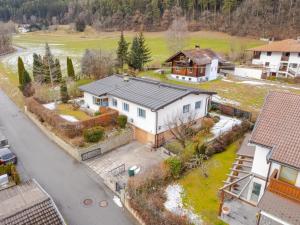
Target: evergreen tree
x: 48, y: 64
x: 70, y: 68
x: 64, y: 91
x: 135, y: 60
x: 144, y: 51
x: 122, y: 52
x: 20, y: 70
x: 37, y: 68
x: 57, y: 75
x: 25, y: 87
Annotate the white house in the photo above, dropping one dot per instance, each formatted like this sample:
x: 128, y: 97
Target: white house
x: 195, y: 65
x: 273, y: 182
x: 281, y: 58
x: 148, y: 104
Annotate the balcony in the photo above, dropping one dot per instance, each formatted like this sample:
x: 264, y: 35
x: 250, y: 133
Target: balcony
x: 282, y: 188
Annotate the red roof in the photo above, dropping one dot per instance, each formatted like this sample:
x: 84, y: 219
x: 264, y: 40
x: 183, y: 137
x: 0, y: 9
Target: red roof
x: 278, y: 127
x: 288, y: 45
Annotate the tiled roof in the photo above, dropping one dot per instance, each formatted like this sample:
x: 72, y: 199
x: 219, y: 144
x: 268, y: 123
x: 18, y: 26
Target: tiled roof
x: 199, y: 56
x: 148, y: 93
x: 288, y: 45
x: 283, y: 208
x: 27, y: 204
x: 278, y: 127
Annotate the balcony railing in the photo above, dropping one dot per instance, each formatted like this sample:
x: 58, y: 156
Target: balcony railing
x: 282, y: 188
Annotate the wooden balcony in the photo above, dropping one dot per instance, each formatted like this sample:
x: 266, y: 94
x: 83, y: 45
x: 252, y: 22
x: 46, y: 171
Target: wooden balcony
x: 282, y: 188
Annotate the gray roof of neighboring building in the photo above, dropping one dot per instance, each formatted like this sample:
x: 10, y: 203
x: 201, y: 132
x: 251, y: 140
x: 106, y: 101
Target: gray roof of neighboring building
x: 28, y: 204
x: 145, y: 92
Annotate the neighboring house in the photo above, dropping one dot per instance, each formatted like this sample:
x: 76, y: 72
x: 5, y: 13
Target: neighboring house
x: 148, y: 104
x: 195, y: 65
x: 272, y: 183
x: 281, y: 58
x: 28, y: 204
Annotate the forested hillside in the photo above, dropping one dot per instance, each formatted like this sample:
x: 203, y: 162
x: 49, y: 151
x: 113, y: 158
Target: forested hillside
x: 268, y: 18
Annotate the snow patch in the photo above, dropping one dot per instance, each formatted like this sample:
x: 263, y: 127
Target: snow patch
x: 69, y: 118
x: 117, y: 201
x: 50, y: 106
x: 225, y: 124
x: 174, y: 204
x: 219, y: 99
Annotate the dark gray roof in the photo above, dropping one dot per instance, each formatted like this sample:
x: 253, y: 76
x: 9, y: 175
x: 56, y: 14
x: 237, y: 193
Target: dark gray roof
x: 28, y: 204
x: 148, y: 93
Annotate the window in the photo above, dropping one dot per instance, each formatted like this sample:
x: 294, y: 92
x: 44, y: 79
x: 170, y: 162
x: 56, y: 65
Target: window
x: 97, y: 101
x: 190, y: 79
x: 267, y: 64
x: 255, y: 192
x: 177, y: 77
x: 287, y: 54
x: 269, y: 53
x: 299, y: 54
x: 190, y: 69
x: 186, y: 108
x: 198, y: 105
x: 141, y: 113
x: 183, y: 78
x: 114, y: 102
x: 288, y: 175
x: 125, y: 107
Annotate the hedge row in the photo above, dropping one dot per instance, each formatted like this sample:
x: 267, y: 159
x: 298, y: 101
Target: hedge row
x: 66, y: 128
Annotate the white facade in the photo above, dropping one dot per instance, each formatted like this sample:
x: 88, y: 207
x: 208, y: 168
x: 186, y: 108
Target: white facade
x: 211, y: 73
x: 248, y: 72
x: 278, y: 64
x: 155, y: 122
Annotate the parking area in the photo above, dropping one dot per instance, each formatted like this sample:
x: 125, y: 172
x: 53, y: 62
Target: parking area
x: 132, y: 154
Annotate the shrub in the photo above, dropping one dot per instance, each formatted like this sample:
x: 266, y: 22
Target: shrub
x: 15, y: 175
x: 216, y: 119
x: 200, y: 149
x: 207, y: 123
x: 175, y: 166
x: 94, y: 134
x: 122, y: 121
x: 97, y: 113
x: 5, y: 169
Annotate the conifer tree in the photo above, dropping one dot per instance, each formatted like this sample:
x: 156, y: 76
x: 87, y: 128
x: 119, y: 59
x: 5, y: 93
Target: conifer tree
x: 37, y: 68
x: 70, y: 68
x: 25, y: 87
x: 144, y: 51
x: 135, y: 60
x: 20, y: 70
x: 122, y: 52
x: 57, y: 72
x: 64, y: 91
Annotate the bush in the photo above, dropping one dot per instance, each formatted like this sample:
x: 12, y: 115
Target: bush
x: 15, y: 175
x: 97, y: 113
x: 94, y: 134
x: 216, y: 119
x: 174, y: 147
x: 5, y: 169
x: 122, y: 121
x: 200, y: 149
x: 207, y: 123
x: 175, y: 166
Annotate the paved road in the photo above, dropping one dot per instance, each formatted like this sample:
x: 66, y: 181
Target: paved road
x: 66, y: 180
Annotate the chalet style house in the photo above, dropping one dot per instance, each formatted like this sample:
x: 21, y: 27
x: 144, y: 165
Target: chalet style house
x: 265, y: 180
x: 148, y: 104
x: 280, y: 58
x: 195, y: 65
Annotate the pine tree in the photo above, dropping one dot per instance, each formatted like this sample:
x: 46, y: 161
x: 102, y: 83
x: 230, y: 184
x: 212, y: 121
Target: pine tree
x: 57, y: 75
x: 70, y: 68
x: 64, y: 91
x: 37, y: 68
x: 122, y: 52
x: 20, y: 70
x: 135, y: 60
x: 145, y: 53
x: 48, y: 64
x: 25, y: 87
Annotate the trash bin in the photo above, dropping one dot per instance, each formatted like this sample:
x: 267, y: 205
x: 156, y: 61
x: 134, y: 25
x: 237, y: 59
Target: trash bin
x: 131, y: 171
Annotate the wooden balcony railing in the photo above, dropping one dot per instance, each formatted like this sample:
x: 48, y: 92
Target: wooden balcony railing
x: 282, y: 188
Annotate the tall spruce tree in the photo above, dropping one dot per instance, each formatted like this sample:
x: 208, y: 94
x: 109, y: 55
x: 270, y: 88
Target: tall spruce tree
x: 37, y: 68
x: 122, y: 51
x: 64, y: 91
x: 58, y: 74
x: 70, y: 68
x: 145, y: 53
x: 135, y: 60
x: 20, y: 70
x: 25, y: 87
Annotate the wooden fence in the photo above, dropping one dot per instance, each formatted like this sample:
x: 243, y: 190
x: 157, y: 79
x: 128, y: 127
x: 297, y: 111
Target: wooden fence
x: 231, y: 111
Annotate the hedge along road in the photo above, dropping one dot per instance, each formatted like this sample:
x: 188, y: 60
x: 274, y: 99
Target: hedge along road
x: 66, y: 180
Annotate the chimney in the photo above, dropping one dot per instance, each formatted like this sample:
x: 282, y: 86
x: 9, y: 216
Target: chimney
x: 197, y: 46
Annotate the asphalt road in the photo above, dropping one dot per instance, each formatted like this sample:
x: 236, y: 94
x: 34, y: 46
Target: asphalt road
x: 66, y: 180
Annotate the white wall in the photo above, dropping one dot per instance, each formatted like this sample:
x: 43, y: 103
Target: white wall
x: 248, y: 72
x: 260, y: 165
x: 185, y: 78
x: 147, y: 124
x: 166, y: 114
x: 88, y: 99
x: 212, y: 70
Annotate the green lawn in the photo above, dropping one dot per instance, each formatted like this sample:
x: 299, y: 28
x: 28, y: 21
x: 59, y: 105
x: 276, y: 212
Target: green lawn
x: 67, y: 109
x: 202, y: 193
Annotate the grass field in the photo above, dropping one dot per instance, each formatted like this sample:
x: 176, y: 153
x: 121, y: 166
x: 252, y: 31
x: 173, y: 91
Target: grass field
x: 67, y: 109
x: 202, y: 193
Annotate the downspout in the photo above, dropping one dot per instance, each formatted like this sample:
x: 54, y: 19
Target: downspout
x: 267, y: 180
x: 155, y: 136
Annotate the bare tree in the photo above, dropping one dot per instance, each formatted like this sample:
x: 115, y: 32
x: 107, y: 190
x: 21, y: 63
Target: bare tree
x: 97, y: 63
x: 181, y: 126
x: 177, y: 34
x: 6, y: 30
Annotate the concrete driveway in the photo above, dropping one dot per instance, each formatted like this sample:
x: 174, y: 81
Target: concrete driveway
x: 132, y: 154
x: 66, y: 180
